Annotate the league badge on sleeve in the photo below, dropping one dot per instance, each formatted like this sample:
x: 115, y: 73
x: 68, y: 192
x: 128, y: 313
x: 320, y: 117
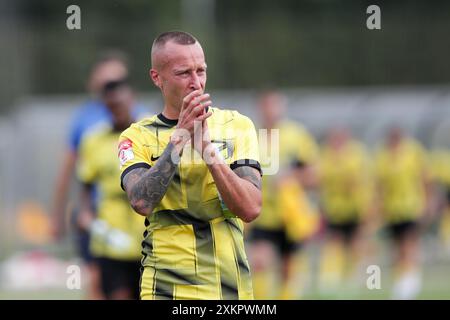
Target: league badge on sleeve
x: 125, y: 151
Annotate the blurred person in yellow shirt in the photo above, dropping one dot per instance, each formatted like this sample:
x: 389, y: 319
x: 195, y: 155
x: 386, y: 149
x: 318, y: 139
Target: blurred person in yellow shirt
x: 116, y: 231
x: 402, y: 199
x: 110, y: 66
x: 287, y: 217
x: 345, y: 198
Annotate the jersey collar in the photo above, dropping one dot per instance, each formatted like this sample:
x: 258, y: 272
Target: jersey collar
x: 171, y: 122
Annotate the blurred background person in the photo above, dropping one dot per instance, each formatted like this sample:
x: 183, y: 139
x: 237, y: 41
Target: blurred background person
x: 440, y: 171
x: 403, y: 196
x: 345, y: 198
x: 110, y: 66
x: 115, y: 229
x: 287, y: 218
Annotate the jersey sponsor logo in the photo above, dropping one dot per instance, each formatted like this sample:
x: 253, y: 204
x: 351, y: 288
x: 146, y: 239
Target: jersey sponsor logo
x: 125, y: 151
x: 154, y: 158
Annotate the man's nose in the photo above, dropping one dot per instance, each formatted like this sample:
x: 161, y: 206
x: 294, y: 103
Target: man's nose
x: 195, y: 82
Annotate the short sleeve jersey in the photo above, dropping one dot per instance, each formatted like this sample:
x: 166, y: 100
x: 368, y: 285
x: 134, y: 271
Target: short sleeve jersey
x: 193, y: 245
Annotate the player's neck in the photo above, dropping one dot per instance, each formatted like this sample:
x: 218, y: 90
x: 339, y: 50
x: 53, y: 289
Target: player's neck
x: 170, y: 112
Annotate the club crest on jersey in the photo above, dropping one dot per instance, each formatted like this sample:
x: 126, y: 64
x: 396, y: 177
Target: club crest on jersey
x: 225, y: 147
x: 125, y: 151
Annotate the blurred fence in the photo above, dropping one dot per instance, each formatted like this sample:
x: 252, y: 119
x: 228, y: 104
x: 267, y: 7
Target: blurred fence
x: 33, y: 135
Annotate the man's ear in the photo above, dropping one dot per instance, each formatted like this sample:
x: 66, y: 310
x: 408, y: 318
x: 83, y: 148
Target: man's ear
x: 154, y: 75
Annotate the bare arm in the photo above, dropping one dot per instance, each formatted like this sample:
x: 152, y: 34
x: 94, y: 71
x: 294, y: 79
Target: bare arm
x: 240, y: 188
x: 146, y: 187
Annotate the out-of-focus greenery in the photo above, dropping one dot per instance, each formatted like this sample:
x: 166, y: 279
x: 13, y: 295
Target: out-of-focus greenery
x: 249, y: 43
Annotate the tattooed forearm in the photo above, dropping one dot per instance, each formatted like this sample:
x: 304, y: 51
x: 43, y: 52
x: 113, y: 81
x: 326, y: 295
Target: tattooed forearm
x: 146, y: 187
x: 250, y: 174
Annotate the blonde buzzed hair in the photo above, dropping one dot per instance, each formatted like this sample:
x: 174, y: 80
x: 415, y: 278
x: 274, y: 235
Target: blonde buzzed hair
x: 178, y: 37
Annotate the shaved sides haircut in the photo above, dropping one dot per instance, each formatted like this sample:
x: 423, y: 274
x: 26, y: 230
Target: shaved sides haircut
x: 178, y: 37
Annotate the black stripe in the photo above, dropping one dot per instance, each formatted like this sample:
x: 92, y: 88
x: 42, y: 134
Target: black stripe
x: 228, y: 291
x: 233, y: 223
x: 243, y: 266
x: 177, y: 217
x: 170, y: 122
x: 204, y: 247
x: 157, y: 125
x: 163, y: 288
x: 146, y: 244
x: 133, y: 166
x: 175, y: 276
x: 246, y: 162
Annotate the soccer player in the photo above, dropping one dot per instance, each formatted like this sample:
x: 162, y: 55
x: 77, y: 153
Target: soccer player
x: 345, y: 197
x: 193, y: 172
x: 116, y: 231
x: 287, y: 217
x: 403, y: 194
x: 110, y: 66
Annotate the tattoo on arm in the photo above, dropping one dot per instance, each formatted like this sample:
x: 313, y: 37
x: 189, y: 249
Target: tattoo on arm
x: 146, y: 187
x: 250, y: 174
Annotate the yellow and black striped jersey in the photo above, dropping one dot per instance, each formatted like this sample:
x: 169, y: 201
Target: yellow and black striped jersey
x: 119, y: 229
x: 193, y: 246
x: 345, y: 186
x: 400, y: 177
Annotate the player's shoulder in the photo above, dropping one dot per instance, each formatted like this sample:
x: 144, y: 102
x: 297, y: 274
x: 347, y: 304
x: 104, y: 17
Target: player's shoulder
x: 229, y: 116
